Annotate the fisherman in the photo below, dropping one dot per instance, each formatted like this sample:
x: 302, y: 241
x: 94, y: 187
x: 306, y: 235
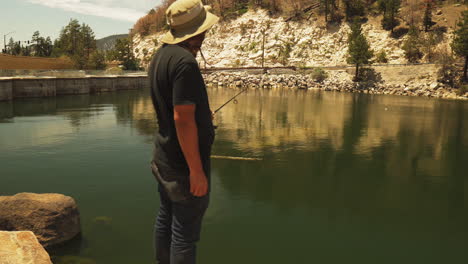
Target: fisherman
x: 182, y: 148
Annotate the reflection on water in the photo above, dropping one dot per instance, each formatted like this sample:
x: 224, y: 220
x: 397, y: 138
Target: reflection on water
x: 345, y: 177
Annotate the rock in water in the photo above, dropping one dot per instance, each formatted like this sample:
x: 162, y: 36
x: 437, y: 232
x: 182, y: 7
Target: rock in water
x: 53, y: 218
x: 21, y: 247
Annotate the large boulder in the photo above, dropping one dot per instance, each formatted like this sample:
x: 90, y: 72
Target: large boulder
x: 54, y: 218
x: 21, y: 247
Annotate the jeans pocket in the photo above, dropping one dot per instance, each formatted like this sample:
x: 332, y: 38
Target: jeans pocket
x: 174, y: 189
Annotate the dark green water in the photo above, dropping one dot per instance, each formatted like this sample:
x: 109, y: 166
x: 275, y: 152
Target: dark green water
x: 345, y: 178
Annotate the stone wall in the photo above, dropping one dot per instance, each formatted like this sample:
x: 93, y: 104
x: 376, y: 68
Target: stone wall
x: 125, y: 83
x: 34, y: 87
x: 12, y: 88
x: 6, y: 89
x: 67, y: 86
x: 101, y: 84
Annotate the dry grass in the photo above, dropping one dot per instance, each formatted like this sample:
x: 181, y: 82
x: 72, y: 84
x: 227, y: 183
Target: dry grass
x: 155, y: 20
x: 10, y: 62
x: 411, y: 11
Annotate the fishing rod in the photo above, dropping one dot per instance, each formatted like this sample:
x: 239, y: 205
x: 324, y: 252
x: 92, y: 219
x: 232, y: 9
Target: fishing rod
x: 230, y: 100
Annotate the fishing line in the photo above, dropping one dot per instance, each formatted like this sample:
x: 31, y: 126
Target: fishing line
x: 203, y: 57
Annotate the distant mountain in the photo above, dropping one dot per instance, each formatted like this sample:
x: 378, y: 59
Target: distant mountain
x: 108, y: 43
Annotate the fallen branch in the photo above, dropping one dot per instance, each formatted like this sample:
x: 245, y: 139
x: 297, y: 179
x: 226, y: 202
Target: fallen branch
x: 235, y: 158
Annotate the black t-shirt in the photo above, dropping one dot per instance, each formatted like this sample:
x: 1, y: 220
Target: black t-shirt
x: 177, y: 80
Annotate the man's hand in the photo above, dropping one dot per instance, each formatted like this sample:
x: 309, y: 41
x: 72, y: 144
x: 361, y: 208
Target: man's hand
x: 198, y: 183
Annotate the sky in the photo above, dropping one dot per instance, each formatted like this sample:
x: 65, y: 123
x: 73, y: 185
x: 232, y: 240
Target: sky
x: 106, y: 17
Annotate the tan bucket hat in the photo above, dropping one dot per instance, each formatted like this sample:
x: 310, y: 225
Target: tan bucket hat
x: 187, y: 18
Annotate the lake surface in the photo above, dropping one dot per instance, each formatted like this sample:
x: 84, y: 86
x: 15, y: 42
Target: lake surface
x: 345, y: 178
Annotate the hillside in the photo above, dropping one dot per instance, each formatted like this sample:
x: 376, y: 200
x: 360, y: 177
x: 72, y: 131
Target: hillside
x: 108, y: 43
x: 307, y: 42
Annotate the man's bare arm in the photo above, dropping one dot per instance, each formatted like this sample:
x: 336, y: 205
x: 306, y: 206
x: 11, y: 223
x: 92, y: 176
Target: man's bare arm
x: 187, y: 133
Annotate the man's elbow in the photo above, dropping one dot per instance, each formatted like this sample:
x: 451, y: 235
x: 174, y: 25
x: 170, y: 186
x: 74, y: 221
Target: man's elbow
x: 184, y: 114
x: 181, y: 120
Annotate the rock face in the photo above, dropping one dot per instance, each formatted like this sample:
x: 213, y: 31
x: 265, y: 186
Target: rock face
x: 21, y: 248
x: 238, y: 42
x: 54, y: 218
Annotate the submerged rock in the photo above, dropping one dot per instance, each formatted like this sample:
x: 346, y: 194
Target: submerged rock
x: 73, y: 260
x: 22, y: 247
x: 54, y: 218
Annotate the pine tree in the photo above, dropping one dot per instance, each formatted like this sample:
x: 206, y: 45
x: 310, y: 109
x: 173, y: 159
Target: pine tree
x: 412, y: 46
x: 390, y: 9
x: 353, y: 8
x: 88, y: 40
x: 460, y: 42
x: 14, y: 47
x: 36, y: 39
x: 359, y: 49
x: 69, y: 39
x: 77, y: 42
x: 329, y: 7
x: 42, y: 47
x: 48, y: 47
x: 427, y: 20
x: 11, y: 46
x: 123, y: 52
x: 382, y: 6
x: 25, y: 51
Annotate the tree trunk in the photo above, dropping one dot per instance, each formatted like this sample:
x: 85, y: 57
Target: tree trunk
x: 263, y: 49
x: 326, y: 11
x: 465, y: 68
x: 357, y: 72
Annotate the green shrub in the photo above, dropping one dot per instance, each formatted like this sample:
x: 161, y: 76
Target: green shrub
x: 285, y: 52
x: 382, y: 57
x: 237, y: 63
x: 463, y: 89
x: 243, y: 29
x: 97, y: 60
x: 114, y: 71
x: 412, y: 46
x: 319, y: 75
x: 447, y: 72
x: 253, y: 46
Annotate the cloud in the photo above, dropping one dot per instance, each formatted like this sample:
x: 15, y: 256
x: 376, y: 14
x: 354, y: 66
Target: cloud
x: 115, y: 9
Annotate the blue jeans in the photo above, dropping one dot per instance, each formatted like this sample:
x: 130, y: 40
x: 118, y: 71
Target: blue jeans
x: 178, y: 227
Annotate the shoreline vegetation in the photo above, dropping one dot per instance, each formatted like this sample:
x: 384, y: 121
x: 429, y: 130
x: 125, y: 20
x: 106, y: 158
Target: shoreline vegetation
x: 237, y: 80
x: 339, y: 81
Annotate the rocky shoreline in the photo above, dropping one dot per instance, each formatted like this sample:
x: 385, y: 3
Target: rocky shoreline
x: 333, y: 83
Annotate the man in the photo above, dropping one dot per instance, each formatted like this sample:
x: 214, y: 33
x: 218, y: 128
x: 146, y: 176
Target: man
x: 181, y: 161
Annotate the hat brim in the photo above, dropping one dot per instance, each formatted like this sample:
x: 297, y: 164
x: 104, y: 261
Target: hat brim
x: 176, y: 37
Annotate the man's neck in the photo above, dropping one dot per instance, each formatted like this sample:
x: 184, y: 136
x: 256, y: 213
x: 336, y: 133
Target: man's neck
x: 189, y: 49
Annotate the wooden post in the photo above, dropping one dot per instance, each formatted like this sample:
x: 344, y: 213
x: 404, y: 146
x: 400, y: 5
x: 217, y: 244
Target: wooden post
x: 263, y: 49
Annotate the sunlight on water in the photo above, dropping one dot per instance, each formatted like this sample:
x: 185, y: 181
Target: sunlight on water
x: 344, y: 178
